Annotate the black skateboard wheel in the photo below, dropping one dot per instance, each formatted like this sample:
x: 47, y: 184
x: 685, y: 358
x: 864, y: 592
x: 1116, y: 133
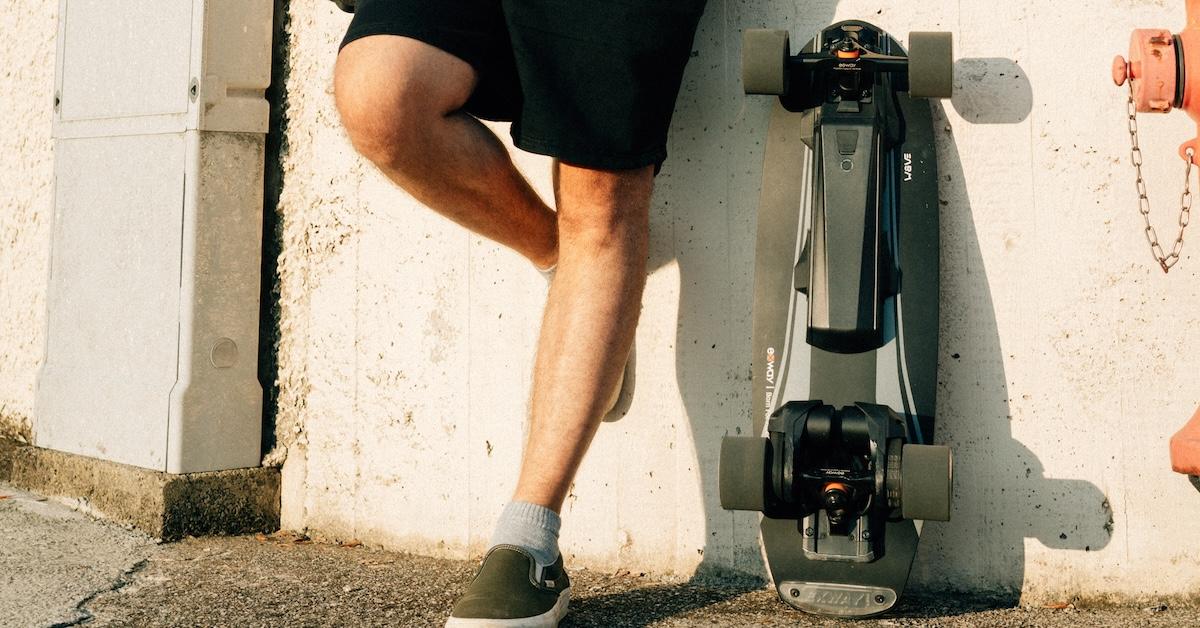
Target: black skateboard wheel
x: 926, y: 482
x: 930, y: 65
x: 742, y: 473
x: 764, y: 58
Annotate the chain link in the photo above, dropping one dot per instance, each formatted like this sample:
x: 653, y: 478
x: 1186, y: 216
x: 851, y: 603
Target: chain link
x: 1165, y: 260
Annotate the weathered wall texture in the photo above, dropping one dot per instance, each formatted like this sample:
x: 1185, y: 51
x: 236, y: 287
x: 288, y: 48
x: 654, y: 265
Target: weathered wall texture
x: 406, y: 344
x: 26, y: 172
x: 1065, y: 363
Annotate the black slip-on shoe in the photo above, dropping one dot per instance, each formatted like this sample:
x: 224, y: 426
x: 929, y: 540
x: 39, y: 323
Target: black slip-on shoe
x: 512, y: 591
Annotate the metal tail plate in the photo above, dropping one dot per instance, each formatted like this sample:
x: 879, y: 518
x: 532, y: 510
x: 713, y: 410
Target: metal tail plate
x: 839, y: 600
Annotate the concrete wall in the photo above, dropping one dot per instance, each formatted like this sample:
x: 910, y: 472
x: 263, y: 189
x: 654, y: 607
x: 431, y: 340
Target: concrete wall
x: 406, y: 343
x: 26, y: 173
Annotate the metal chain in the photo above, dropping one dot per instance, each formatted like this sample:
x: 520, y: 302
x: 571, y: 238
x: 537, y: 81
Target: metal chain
x: 1166, y: 261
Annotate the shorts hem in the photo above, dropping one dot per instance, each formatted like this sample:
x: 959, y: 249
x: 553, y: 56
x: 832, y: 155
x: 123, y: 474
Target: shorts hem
x: 590, y: 159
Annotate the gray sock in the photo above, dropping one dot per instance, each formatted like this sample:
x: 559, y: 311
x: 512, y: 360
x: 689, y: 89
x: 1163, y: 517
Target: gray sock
x: 531, y: 527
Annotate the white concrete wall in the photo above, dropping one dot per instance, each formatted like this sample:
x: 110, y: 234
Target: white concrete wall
x: 1065, y: 352
x: 26, y: 174
x: 406, y: 343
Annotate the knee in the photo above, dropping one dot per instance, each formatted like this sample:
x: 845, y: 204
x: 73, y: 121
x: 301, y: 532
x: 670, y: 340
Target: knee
x: 390, y: 103
x: 604, y: 207
x: 384, y: 120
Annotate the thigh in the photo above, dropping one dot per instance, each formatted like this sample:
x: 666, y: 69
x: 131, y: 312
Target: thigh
x: 600, y: 77
x: 472, y: 31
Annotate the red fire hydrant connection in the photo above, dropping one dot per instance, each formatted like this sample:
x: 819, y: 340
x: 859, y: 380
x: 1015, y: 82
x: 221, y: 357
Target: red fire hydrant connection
x: 1160, y: 81
x: 1157, y: 67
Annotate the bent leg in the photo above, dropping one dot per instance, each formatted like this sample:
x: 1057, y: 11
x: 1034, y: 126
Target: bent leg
x: 401, y: 103
x: 588, y: 328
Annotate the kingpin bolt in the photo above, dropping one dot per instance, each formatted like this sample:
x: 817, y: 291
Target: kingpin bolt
x: 879, y: 599
x: 866, y: 535
x: 794, y: 592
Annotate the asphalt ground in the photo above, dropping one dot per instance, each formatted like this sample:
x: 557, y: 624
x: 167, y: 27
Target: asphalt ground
x: 60, y: 567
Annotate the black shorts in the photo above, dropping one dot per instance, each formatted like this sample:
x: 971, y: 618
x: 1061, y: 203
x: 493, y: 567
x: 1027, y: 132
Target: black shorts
x: 590, y: 82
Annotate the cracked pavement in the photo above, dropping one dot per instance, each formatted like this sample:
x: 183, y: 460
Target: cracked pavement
x: 60, y: 567
x: 53, y: 559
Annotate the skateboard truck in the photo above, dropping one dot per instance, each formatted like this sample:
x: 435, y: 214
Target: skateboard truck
x: 840, y: 473
x: 1159, y: 82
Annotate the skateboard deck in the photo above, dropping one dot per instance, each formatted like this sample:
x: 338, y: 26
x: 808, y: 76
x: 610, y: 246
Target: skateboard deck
x: 901, y: 374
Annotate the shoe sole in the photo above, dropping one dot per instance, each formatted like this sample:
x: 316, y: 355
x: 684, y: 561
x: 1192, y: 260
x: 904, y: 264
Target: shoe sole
x: 549, y: 619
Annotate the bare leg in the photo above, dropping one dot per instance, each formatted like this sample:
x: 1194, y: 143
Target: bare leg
x: 401, y: 102
x: 589, y: 324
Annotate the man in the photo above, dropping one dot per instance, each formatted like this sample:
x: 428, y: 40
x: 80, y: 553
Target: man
x: 593, y: 84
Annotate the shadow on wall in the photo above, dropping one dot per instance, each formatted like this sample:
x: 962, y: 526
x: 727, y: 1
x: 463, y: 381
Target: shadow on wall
x: 991, y: 91
x: 268, y: 317
x: 1003, y: 496
x: 1002, y: 493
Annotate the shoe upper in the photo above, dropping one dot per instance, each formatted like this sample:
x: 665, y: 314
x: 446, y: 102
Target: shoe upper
x: 510, y: 585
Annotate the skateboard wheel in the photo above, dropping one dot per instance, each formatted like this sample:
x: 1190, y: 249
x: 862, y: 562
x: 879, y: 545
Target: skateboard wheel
x: 930, y: 65
x: 742, y: 473
x: 764, y: 60
x: 926, y: 482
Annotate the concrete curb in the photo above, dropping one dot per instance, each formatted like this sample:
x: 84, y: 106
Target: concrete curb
x: 163, y: 505
x: 8, y: 449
